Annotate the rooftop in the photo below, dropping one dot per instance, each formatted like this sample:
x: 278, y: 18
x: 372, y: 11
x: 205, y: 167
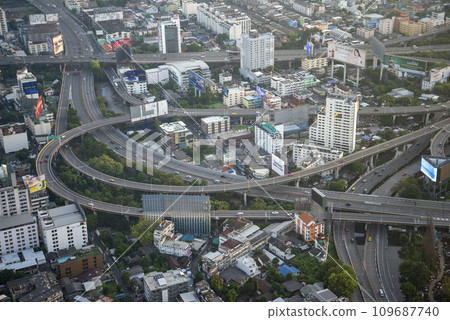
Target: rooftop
x: 157, y: 280
x: 214, y: 119
x: 61, y: 216
x: 16, y: 221
x: 178, y: 126
x: 184, y: 66
x: 285, y: 270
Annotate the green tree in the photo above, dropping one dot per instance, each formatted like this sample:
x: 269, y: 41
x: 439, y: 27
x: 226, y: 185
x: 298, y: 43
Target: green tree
x: 392, y: 13
x: 358, y: 168
x: 446, y: 288
x: 146, y: 262
x: 408, y: 188
x: 216, y: 283
x: 125, y: 277
x: 101, y: 3
x: 342, y: 283
x: 198, y: 277
x: 97, y: 70
x: 107, y: 165
x: 73, y: 120
x: 157, y: 123
x: 339, y: 185
x: 91, y: 221
x: 417, y: 272
x: 194, y: 47
x: 258, y: 204
x: 22, y: 154
x: 144, y: 230
x: 219, y: 205
x: 310, y: 267
x: 409, y: 290
x: 13, y: 24
x: 232, y: 295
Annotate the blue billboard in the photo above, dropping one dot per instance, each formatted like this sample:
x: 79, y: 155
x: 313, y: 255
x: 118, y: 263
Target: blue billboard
x: 30, y: 88
x: 197, y: 81
x: 308, y: 47
x: 225, y: 91
x: 260, y: 92
x: 428, y: 169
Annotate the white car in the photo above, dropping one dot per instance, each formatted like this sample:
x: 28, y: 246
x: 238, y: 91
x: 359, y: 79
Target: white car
x: 274, y: 212
x: 90, y: 204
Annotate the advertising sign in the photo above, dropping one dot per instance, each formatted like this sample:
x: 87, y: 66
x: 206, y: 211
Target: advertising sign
x: 38, y: 107
x: 428, y: 169
x: 58, y: 44
x: 30, y: 88
x: 346, y: 54
x: 50, y: 44
x: 445, y: 172
x: 309, y: 47
x: 405, y: 64
x: 120, y: 42
x: 260, y: 92
x: 377, y: 48
x: 35, y: 184
x: 278, y: 165
x: 197, y: 81
x: 225, y: 91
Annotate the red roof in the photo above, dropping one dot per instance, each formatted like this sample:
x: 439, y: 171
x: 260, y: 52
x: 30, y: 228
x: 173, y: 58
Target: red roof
x: 306, y: 218
x: 230, y: 244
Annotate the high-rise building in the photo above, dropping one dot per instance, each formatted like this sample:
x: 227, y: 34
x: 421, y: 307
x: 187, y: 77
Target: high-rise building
x: 308, y: 227
x: 269, y: 138
x: 191, y: 214
x: 63, y: 227
x: 169, y: 36
x: 257, y: 51
x: 397, y: 20
x: 13, y: 201
x: 335, y: 127
x: 18, y: 233
x: 3, y: 24
x: 386, y: 26
x: 165, y: 287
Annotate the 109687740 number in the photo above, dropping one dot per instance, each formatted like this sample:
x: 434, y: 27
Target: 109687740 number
x: 405, y: 311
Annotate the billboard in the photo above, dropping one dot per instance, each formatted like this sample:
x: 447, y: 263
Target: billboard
x: 58, y: 44
x: 30, y: 87
x: 260, y: 92
x: 405, y: 64
x: 278, y: 165
x: 377, y: 47
x: 35, y: 184
x: 445, y: 171
x: 225, y: 91
x: 119, y: 43
x: 309, y: 47
x: 347, y: 54
x: 428, y: 169
x: 197, y: 81
x: 50, y: 44
x: 38, y: 107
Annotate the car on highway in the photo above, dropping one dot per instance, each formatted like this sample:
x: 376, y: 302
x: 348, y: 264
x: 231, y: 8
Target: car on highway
x: 90, y: 204
x: 343, y: 161
x: 405, y: 173
x: 188, y: 176
x: 289, y: 214
x: 291, y: 174
x: 386, y: 145
x: 240, y: 213
x: 346, y: 229
x: 354, y: 188
x: 348, y: 204
x: 42, y: 161
x: 176, y: 173
x: 112, y: 180
x: 216, y: 181
x: 234, y: 113
x: 370, y: 239
x: 274, y: 212
x: 352, y: 240
x: 427, y: 106
x: 440, y: 151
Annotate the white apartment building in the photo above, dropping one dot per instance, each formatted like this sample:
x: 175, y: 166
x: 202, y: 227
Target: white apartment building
x: 3, y: 22
x: 105, y: 14
x: 234, y: 97
x: 216, y: 124
x: 225, y: 77
x: 365, y: 33
x: 311, y: 63
x: 63, y: 227
x: 136, y: 87
x: 435, y: 76
x: 169, y: 36
x: 165, y: 287
x: 13, y: 137
x: 13, y: 201
x: 18, y: 233
x: 179, y: 71
x: 248, y: 265
x: 269, y: 138
x: 223, y: 19
x: 386, y: 26
x: 257, y: 51
x: 303, y: 151
x: 304, y: 8
x: 189, y: 8
x: 157, y: 75
x: 166, y: 242
x: 335, y: 127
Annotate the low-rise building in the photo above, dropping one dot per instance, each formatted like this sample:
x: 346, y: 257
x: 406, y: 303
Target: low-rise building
x: 233, y: 97
x: 386, y: 26
x: 165, y: 287
x: 308, y: 227
x: 26, y: 261
x: 157, y: 75
x: 365, y: 33
x: 436, y: 75
x: 167, y: 242
x: 252, y: 101
x: 63, y: 227
x: 41, y: 287
x: 13, y: 137
x: 311, y: 63
x: 176, y: 135
x: 215, y: 124
x: 18, y: 233
x: 248, y: 265
x: 179, y: 71
x: 225, y: 77
x: 302, y: 151
x: 71, y: 263
x: 280, y: 249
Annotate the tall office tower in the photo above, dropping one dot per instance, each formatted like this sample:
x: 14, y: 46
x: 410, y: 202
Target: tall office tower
x: 257, y: 51
x: 335, y: 127
x: 191, y: 214
x: 3, y: 24
x: 169, y: 36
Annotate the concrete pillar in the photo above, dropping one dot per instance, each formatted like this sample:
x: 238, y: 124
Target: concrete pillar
x: 357, y: 77
x: 375, y: 61
x: 345, y: 73
x: 245, y: 198
x: 393, y: 119
x: 427, y: 118
x: 127, y: 217
x: 297, y: 183
x: 381, y: 72
x: 241, y: 120
x: 290, y: 64
x: 371, y: 163
x: 336, y: 173
x: 416, y: 228
x: 404, y: 148
x: 332, y: 68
